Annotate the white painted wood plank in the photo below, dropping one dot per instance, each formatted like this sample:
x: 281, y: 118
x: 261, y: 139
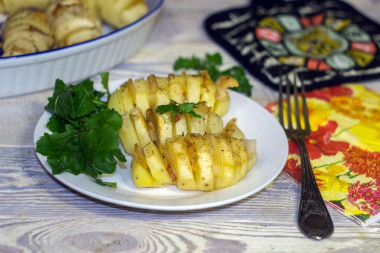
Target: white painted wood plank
x: 128, y: 235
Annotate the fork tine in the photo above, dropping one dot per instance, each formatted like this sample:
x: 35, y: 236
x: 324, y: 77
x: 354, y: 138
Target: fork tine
x: 296, y: 105
x: 304, y: 106
x: 280, y: 106
x: 288, y: 104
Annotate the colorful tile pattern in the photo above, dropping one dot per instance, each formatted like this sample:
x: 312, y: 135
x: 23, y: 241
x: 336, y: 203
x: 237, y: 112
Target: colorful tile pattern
x: 328, y: 41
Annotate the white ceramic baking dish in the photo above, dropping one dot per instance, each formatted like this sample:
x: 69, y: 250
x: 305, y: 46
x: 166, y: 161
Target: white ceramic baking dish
x: 35, y: 72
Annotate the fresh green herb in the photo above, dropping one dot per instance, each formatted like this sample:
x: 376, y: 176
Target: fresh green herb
x: 177, y: 108
x: 212, y: 62
x: 84, y: 136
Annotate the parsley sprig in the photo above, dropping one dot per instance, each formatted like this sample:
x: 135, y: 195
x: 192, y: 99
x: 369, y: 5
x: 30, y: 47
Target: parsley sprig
x: 178, y: 108
x: 84, y: 136
x: 212, y: 62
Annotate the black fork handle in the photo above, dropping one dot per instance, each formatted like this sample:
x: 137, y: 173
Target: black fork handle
x: 313, y: 217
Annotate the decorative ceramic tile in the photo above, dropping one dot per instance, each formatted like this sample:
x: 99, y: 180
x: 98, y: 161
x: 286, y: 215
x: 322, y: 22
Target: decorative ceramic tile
x: 329, y: 42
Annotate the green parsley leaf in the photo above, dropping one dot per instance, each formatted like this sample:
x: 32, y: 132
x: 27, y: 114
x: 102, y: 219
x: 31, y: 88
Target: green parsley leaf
x: 113, y: 185
x: 161, y: 109
x: 55, y: 124
x: 105, y: 77
x: 84, y: 136
x: 188, y: 63
x: 212, y: 63
x: 177, y: 108
x: 214, y: 59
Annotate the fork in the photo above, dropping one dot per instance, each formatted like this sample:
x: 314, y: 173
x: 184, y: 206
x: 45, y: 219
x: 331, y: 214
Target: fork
x: 314, y: 219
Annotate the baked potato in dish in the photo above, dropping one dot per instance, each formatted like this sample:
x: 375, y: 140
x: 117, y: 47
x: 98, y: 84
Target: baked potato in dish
x: 10, y: 6
x: 119, y: 13
x: 72, y: 22
x: 26, y: 32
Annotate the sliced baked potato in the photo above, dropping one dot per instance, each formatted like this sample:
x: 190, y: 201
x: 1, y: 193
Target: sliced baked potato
x: 72, y: 22
x: 119, y: 13
x: 199, y: 162
x: 26, y: 32
x: 157, y: 127
x: 10, y: 6
x: 155, y: 91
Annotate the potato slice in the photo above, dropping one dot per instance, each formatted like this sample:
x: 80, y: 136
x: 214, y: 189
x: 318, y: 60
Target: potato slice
x: 127, y: 134
x: 232, y: 130
x: 201, y: 161
x: 11, y: 6
x: 131, y: 92
x: 164, y: 126
x: 208, y: 89
x: 79, y: 33
x: 115, y: 102
x: 214, y: 123
x: 222, y: 99
x: 165, y: 159
x: 140, y: 126
x: 120, y: 13
x: 224, y: 157
x: 240, y: 159
x: 194, y: 124
x: 142, y: 97
x: 193, y: 88
x: 177, y: 90
x: 151, y: 124
x: 180, y: 126
x: 140, y: 172
x: 152, y: 90
x: 177, y: 153
x: 162, y: 95
x: 156, y: 165
x: 250, y: 146
x: 126, y: 96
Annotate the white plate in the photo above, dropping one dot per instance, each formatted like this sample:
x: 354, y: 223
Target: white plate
x: 255, y: 122
x: 35, y: 72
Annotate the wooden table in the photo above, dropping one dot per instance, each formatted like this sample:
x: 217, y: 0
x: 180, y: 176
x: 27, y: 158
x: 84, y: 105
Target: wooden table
x: 38, y: 214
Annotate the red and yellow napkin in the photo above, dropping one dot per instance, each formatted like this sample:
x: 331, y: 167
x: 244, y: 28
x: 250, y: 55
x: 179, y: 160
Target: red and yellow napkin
x: 344, y: 149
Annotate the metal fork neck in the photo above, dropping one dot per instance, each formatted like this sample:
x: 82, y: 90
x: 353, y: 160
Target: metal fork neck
x: 313, y: 217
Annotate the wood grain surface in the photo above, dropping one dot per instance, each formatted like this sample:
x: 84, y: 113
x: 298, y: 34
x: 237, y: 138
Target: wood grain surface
x: 39, y: 214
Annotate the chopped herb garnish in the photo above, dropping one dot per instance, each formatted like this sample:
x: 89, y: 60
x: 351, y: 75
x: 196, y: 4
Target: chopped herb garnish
x: 212, y: 62
x: 177, y: 108
x: 84, y: 136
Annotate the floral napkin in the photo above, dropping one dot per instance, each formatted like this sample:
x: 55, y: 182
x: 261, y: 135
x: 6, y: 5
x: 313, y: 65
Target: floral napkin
x: 344, y: 149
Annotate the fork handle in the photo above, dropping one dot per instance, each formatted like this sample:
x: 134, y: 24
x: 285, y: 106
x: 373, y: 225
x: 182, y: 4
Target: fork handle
x: 313, y: 217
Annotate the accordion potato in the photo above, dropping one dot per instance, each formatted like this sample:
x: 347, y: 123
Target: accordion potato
x: 194, y: 162
x: 25, y: 32
x: 155, y: 91
x: 72, y: 22
x: 119, y: 13
x: 155, y: 127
